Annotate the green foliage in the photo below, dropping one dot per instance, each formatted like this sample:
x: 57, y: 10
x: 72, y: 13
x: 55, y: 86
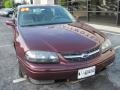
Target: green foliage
x: 63, y: 2
x: 7, y: 3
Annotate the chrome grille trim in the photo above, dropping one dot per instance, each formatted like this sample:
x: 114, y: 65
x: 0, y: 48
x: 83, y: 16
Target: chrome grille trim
x: 82, y: 55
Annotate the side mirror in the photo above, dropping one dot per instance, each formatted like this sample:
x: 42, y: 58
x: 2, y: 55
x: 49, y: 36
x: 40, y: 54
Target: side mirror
x: 78, y: 19
x: 10, y: 23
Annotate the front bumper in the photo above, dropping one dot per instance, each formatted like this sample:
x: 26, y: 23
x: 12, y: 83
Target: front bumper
x: 65, y: 71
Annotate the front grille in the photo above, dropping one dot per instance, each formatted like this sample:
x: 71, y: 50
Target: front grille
x: 84, y: 56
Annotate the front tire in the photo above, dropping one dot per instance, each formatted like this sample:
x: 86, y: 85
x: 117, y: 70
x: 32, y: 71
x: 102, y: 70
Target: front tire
x: 20, y: 72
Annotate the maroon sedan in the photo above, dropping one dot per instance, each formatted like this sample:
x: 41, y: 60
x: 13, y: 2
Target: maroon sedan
x: 51, y: 45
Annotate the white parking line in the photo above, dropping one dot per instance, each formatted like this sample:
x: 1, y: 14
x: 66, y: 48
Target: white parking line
x: 19, y: 80
x: 7, y: 45
x: 117, y: 47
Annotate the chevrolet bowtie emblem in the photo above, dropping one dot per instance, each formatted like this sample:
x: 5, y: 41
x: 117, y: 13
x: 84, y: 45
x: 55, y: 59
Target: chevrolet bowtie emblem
x: 84, y: 55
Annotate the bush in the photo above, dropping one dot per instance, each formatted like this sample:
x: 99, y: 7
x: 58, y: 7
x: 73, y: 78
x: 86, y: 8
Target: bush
x: 8, y: 3
x: 63, y: 2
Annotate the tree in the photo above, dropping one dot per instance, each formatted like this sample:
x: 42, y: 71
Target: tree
x: 7, y: 3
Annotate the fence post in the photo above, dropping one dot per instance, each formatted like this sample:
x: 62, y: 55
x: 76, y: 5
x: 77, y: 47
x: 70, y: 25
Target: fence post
x: 88, y: 9
x: 118, y: 14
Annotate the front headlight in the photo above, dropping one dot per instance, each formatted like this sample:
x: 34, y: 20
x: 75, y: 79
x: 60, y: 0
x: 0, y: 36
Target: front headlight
x: 106, y: 45
x: 42, y: 57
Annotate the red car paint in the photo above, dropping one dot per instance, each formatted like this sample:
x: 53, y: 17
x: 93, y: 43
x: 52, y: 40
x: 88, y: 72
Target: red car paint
x: 59, y: 38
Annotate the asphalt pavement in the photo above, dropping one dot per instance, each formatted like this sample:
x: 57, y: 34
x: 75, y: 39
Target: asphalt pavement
x: 109, y: 79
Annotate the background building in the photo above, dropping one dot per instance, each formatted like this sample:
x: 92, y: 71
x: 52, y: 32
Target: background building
x: 43, y: 1
x: 23, y: 1
x: 96, y: 11
x: 100, y: 11
x: 1, y: 3
x: 35, y: 1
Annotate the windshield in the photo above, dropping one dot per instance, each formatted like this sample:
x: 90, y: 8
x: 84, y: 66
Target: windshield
x: 44, y: 15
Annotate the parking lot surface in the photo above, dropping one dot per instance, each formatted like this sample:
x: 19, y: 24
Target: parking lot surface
x: 109, y: 79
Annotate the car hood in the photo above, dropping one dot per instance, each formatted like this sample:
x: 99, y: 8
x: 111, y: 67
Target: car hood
x: 58, y: 38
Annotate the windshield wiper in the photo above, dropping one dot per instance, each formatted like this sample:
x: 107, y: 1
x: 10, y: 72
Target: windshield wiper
x: 45, y: 24
x: 27, y: 25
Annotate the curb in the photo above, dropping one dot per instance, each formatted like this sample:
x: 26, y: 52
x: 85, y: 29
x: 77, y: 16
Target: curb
x: 106, y: 28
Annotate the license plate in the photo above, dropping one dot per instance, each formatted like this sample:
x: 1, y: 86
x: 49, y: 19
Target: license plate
x: 86, y: 72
